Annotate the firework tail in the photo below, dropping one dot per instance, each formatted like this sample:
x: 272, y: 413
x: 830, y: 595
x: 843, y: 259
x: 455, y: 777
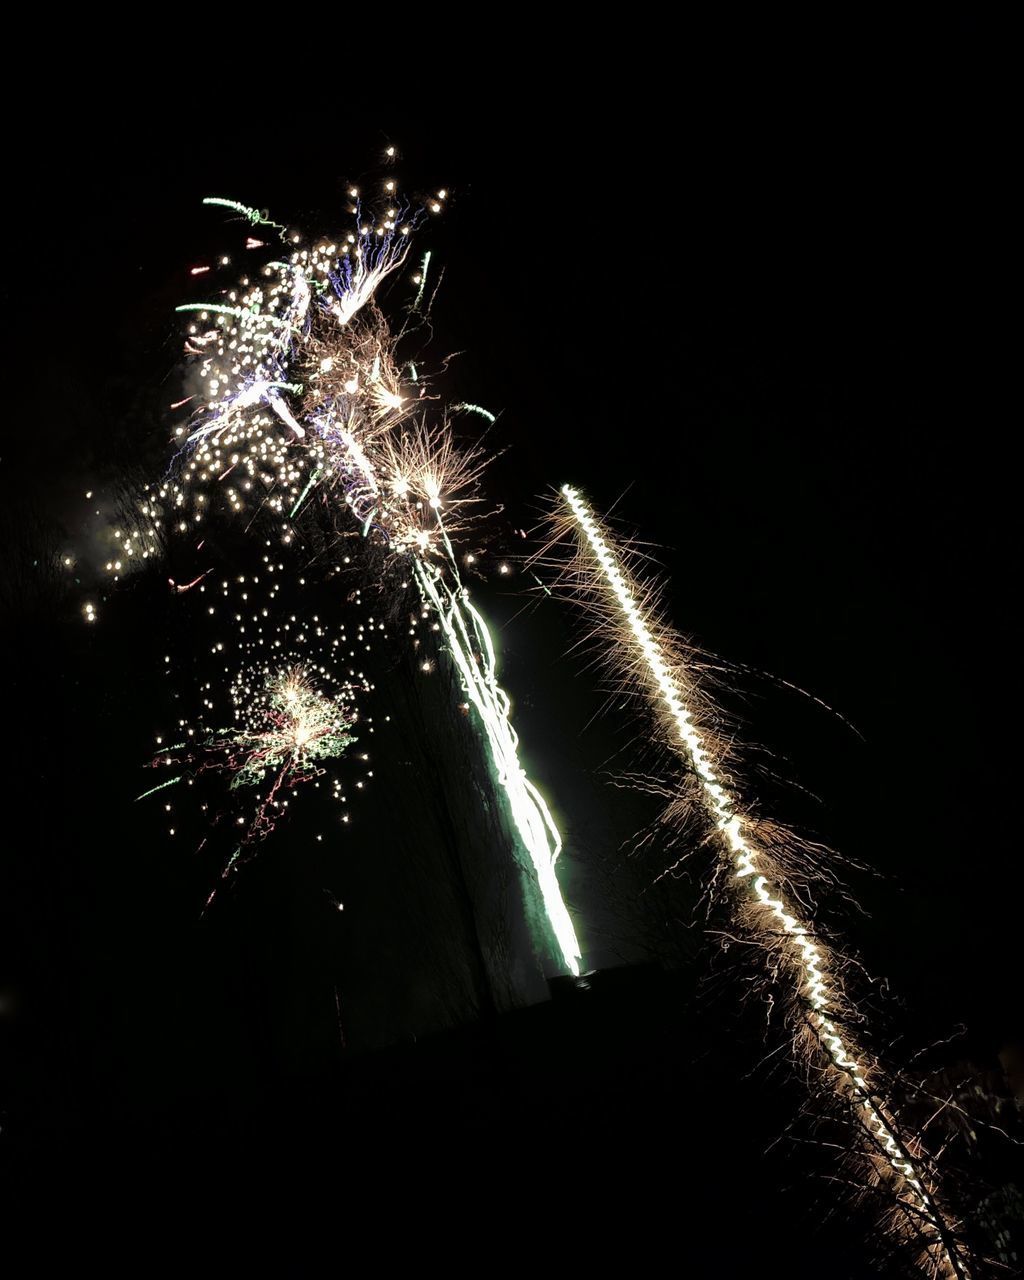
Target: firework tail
x: 472, y: 651
x: 656, y: 669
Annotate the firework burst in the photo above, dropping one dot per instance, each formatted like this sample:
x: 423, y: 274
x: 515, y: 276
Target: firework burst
x: 290, y: 690
x: 286, y: 726
x: 303, y: 406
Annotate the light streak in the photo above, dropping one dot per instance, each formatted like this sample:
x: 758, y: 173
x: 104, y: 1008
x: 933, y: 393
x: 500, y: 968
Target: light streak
x: 660, y: 673
x: 182, y: 587
x: 215, y: 307
x: 160, y: 786
x: 474, y: 408
x: 254, y: 215
x: 314, y: 477
x: 421, y: 280
x: 472, y: 650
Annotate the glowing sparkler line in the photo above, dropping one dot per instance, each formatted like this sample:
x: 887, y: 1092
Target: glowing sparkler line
x: 423, y: 280
x: 285, y: 733
x: 254, y: 215
x: 530, y: 813
x: 474, y: 408
x: 314, y: 477
x: 808, y: 955
x: 160, y: 786
x: 216, y: 307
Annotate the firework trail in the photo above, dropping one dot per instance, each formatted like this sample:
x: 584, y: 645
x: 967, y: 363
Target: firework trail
x: 472, y: 650
x: 303, y: 411
x: 650, y: 657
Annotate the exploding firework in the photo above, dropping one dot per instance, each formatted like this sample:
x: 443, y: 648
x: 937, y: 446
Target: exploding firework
x: 285, y: 728
x: 304, y: 409
x: 651, y: 660
x: 291, y: 689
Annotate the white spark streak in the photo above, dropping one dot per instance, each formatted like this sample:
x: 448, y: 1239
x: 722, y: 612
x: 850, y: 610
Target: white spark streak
x: 467, y: 641
x: 808, y: 955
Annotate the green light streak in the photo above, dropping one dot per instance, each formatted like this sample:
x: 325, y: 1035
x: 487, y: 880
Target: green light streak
x: 472, y: 649
x: 216, y: 306
x: 475, y: 408
x: 254, y: 215
x: 169, y: 783
x: 423, y: 280
x: 302, y: 496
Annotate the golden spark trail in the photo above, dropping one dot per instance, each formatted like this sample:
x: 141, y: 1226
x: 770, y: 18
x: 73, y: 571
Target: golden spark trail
x: 807, y: 955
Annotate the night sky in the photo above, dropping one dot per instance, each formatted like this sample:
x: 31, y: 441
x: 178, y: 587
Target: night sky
x: 762, y: 315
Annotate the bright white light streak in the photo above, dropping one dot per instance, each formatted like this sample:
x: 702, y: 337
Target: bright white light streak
x: 808, y: 955
x: 469, y: 642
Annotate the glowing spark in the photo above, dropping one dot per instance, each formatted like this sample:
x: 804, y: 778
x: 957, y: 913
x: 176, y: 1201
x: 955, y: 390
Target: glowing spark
x: 216, y: 307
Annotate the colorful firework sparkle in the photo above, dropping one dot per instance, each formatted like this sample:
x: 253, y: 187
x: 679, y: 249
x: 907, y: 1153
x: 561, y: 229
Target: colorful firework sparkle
x: 294, y: 688
x: 285, y: 726
x: 302, y: 407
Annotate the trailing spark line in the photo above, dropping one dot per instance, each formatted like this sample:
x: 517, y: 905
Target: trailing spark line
x: 472, y: 650
x: 658, y: 671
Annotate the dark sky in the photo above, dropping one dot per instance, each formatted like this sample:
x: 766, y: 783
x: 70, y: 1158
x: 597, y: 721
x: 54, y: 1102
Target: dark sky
x: 759, y: 302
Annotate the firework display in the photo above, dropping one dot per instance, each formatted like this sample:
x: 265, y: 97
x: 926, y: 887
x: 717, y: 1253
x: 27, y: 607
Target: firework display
x: 311, y: 432
x: 304, y: 412
x: 651, y: 661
